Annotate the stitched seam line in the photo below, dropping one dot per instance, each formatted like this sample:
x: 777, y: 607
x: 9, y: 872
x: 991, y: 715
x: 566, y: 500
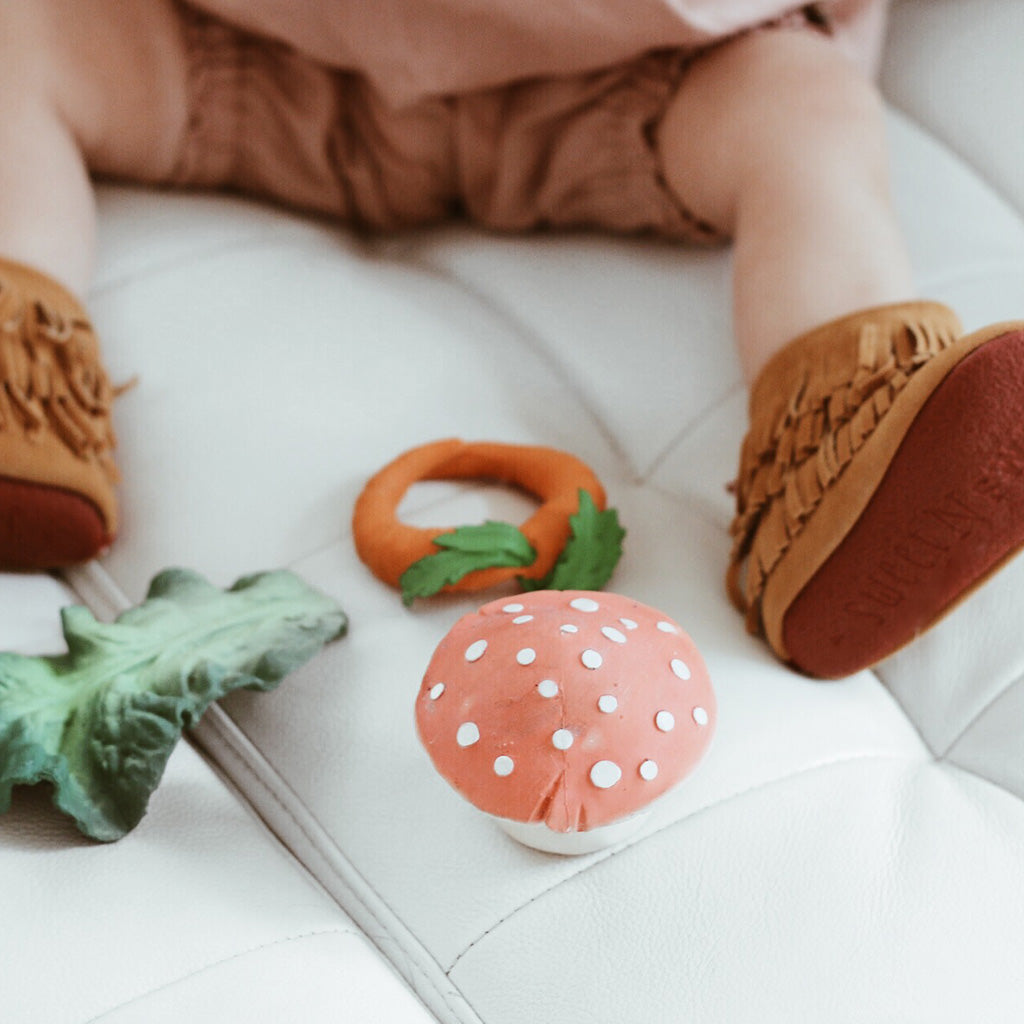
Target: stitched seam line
x: 316, y: 845
x: 981, y: 713
x: 528, y: 336
x: 218, y: 963
x: 92, y: 580
x: 971, y: 773
x: 732, y: 797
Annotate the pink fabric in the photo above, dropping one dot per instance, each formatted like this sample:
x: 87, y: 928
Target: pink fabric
x: 396, y: 113
x: 567, y: 152
x: 412, y: 49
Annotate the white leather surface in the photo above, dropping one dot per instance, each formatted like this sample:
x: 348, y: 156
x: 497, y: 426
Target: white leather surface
x: 957, y: 71
x: 325, y: 976
x: 819, y: 839
x: 846, y: 852
x: 194, y: 916
x: 30, y: 603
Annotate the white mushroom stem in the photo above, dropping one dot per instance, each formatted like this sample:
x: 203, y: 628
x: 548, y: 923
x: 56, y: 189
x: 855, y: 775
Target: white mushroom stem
x: 540, y: 837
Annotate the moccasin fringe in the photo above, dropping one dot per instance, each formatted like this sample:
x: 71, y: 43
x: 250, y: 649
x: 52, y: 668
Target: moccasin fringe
x: 51, y: 378
x: 812, y: 409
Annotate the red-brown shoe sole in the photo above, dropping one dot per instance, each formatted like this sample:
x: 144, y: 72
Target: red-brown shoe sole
x: 947, y: 513
x: 44, y: 527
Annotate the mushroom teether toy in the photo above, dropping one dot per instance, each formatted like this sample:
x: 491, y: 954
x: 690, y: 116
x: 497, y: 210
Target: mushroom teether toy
x: 565, y: 713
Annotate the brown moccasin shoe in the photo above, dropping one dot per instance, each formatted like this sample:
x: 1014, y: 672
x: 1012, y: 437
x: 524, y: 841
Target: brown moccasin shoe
x: 881, y: 481
x: 57, y: 504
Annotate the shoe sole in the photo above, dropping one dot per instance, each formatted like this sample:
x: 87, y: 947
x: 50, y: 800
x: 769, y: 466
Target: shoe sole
x: 944, y: 517
x: 43, y: 527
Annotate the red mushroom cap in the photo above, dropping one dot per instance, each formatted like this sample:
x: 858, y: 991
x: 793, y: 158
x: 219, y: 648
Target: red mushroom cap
x: 574, y: 708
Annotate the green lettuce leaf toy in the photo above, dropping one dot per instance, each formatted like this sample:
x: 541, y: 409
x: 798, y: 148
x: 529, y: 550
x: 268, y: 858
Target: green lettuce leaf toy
x: 100, y: 721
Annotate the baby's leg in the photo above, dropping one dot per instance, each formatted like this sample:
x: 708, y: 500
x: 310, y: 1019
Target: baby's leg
x: 873, y: 493
x: 778, y: 140
x: 85, y: 85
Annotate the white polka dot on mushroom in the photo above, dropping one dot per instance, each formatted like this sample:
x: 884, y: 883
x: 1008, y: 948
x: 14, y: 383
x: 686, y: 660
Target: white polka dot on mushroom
x: 512, y: 608
x: 649, y: 770
x: 436, y: 690
x: 680, y: 668
x: 584, y: 604
x: 667, y: 627
x: 665, y: 721
x: 467, y: 735
x: 570, y: 628
x: 547, y: 688
x: 591, y: 659
x: 527, y: 656
x: 504, y: 765
x: 520, y: 619
x: 605, y: 774
x: 613, y: 634
x: 562, y: 739
x: 475, y: 651
x: 607, y: 703
x: 700, y: 716
x: 628, y: 623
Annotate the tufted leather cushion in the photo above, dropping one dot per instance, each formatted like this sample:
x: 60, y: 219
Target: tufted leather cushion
x: 845, y: 852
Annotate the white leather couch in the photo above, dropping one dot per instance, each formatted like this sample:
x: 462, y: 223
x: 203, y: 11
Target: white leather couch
x: 846, y: 852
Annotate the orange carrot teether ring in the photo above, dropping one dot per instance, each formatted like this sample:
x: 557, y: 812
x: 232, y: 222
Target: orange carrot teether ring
x: 476, y: 557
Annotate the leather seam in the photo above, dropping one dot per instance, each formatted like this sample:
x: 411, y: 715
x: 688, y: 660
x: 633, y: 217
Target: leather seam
x: 599, y: 859
x: 214, y: 964
x: 1017, y: 680
x: 410, y: 963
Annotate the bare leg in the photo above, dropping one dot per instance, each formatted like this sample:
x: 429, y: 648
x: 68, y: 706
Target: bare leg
x: 857, y: 436
x: 779, y: 140
x: 87, y: 85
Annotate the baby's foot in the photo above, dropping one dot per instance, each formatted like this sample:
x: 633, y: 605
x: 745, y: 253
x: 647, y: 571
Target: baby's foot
x: 57, y: 476
x: 881, y: 482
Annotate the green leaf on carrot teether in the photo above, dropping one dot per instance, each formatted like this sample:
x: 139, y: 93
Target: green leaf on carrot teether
x: 589, y: 558
x: 100, y: 721
x: 489, y: 545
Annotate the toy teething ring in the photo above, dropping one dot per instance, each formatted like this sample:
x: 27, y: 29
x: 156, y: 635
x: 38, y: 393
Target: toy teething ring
x: 388, y: 546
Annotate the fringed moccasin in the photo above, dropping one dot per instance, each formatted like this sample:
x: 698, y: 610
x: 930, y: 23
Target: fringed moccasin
x: 881, y: 481
x: 57, y: 476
